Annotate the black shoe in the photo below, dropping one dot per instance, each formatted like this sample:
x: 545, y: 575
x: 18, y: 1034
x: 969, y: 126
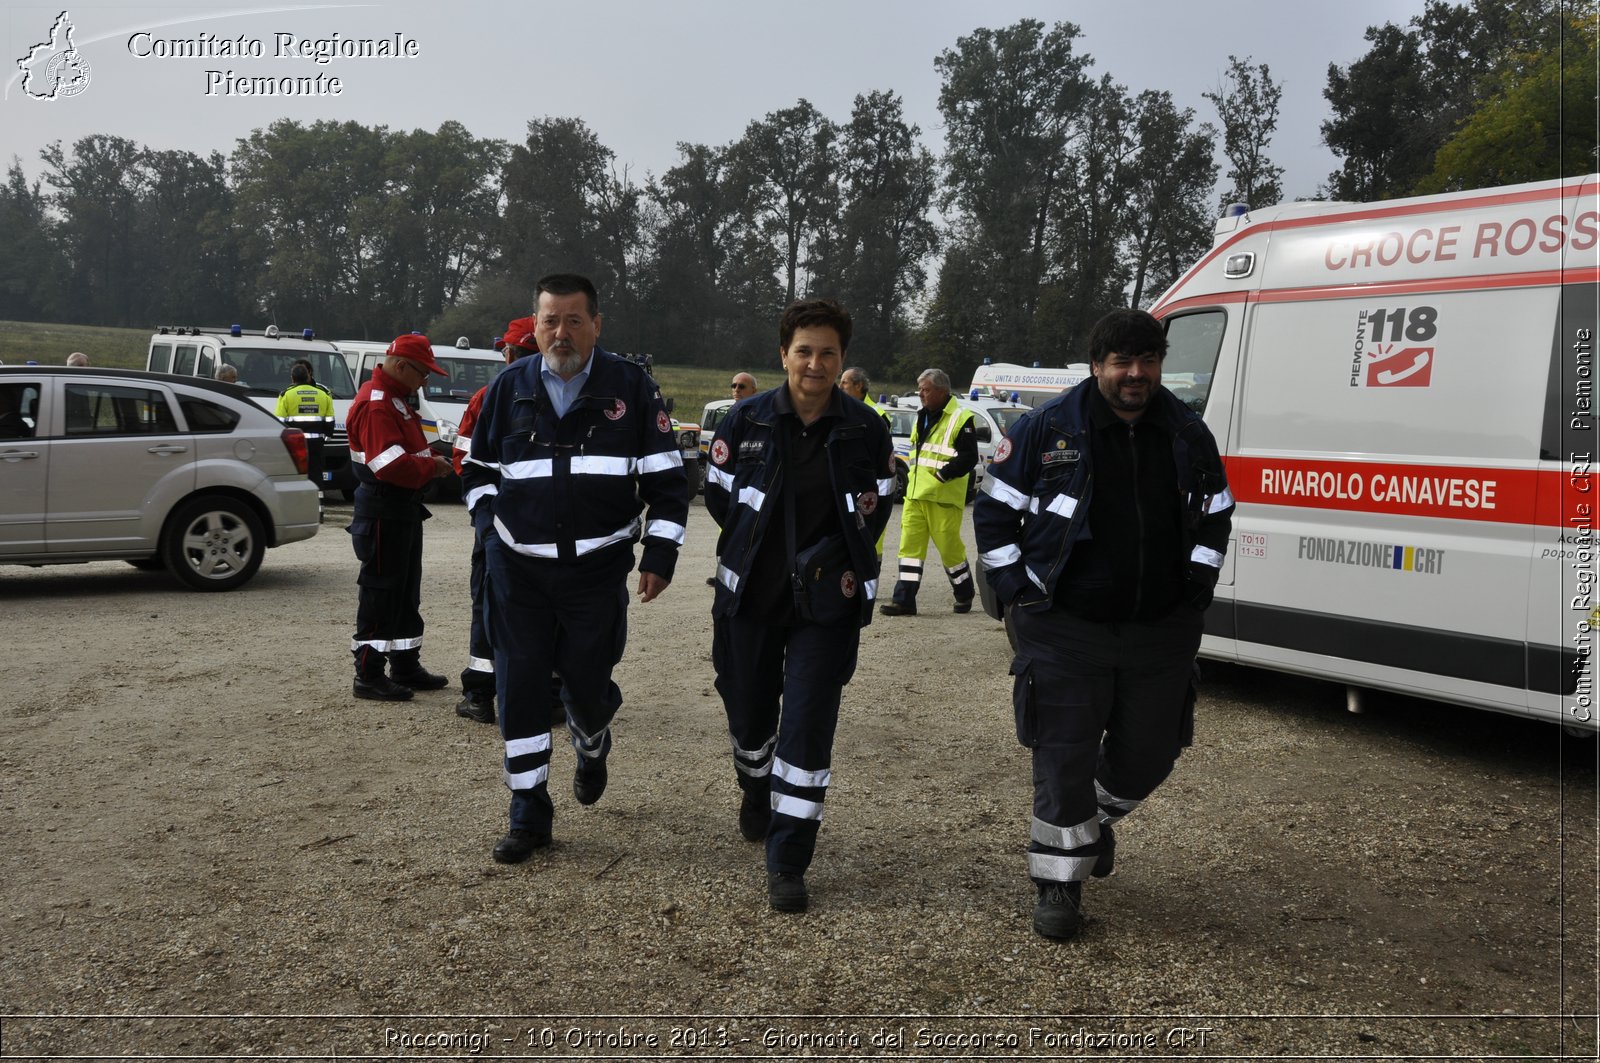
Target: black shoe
x: 786, y: 891
x: 1059, y: 913
x: 481, y: 710
x: 518, y: 845
x: 421, y: 679
x: 755, y: 815
x: 964, y: 607
x: 1106, y: 862
x: 898, y: 608
x: 589, y: 781
x: 381, y: 688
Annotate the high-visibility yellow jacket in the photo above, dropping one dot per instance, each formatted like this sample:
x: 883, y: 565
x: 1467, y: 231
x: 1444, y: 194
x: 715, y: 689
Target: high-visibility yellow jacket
x: 939, y: 462
x: 306, y: 407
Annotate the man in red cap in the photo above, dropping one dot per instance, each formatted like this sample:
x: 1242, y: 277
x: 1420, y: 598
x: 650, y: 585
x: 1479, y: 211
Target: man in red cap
x: 392, y: 464
x: 477, y: 679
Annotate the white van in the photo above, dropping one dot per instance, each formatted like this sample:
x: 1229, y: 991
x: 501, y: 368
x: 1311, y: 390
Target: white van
x: 263, y: 359
x: 1404, y: 396
x: 1030, y: 386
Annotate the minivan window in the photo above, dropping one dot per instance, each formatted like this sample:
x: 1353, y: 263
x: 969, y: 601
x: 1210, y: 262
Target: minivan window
x: 206, y: 416
x: 160, y: 357
x: 1193, y: 343
x: 184, y: 363
x: 114, y: 410
x: 19, y: 404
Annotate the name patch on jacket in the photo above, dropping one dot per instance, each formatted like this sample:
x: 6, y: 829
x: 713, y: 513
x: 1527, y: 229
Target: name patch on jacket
x: 752, y: 449
x: 1053, y: 457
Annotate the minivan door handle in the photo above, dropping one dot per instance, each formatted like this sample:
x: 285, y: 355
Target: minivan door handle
x: 17, y: 455
x: 168, y: 448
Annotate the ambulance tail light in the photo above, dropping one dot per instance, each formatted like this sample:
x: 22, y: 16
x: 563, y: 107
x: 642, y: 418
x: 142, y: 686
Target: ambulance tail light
x: 294, y: 441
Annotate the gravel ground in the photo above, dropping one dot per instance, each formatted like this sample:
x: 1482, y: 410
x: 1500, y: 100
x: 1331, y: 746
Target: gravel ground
x: 212, y: 850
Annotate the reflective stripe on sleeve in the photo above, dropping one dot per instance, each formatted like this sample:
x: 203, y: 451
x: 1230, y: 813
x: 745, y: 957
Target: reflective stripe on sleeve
x: 390, y: 455
x: 1206, y: 556
x: 887, y: 487
x: 870, y: 589
x: 650, y: 463
x: 1005, y: 494
x: 717, y: 476
x: 1218, y: 503
x: 799, y: 776
x: 751, y: 496
x: 665, y: 529
x: 728, y: 577
x: 477, y: 494
x: 480, y: 664
x: 1001, y: 556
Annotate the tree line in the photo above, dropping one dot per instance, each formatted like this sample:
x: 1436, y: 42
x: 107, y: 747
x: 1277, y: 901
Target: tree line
x: 1057, y: 196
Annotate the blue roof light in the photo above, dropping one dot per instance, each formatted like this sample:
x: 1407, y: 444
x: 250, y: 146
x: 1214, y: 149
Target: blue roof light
x: 235, y: 330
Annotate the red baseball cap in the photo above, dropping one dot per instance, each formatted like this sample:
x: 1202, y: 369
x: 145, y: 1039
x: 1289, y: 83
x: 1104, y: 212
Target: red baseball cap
x: 520, y: 333
x: 415, y: 348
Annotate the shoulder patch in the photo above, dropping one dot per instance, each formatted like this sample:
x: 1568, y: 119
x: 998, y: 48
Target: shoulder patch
x: 663, y: 422
x: 1003, y: 451
x: 719, y: 452
x: 618, y: 411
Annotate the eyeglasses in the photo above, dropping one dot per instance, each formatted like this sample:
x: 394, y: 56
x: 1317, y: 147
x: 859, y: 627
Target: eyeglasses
x: 737, y: 386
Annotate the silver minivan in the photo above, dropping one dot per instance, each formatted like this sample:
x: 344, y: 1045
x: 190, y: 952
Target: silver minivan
x: 158, y: 470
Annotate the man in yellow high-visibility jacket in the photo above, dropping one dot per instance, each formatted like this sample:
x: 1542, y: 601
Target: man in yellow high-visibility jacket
x: 944, y: 451
x: 305, y: 405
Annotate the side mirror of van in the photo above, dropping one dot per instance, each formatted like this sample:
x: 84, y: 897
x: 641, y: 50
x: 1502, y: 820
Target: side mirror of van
x: 669, y: 405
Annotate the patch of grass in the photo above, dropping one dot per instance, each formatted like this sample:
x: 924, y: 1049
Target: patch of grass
x: 48, y: 344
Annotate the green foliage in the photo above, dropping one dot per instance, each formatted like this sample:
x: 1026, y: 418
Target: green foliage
x: 1247, y: 104
x: 1540, y: 123
x: 1455, y: 76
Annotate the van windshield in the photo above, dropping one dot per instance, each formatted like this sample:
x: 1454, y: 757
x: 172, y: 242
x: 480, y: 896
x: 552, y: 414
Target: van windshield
x: 901, y: 421
x: 467, y: 375
x: 266, y: 370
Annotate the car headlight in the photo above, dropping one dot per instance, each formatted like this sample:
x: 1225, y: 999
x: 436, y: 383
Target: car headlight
x: 447, y: 431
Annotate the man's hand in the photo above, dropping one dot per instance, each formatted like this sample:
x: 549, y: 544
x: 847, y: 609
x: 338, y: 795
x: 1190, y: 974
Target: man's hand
x: 441, y: 467
x: 651, y: 585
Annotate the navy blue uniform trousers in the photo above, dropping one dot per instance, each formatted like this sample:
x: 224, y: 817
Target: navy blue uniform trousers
x: 1106, y: 709
x: 570, y: 617
x: 780, y: 687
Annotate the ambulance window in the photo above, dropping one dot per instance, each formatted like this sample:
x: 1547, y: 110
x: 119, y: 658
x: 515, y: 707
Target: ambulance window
x: 160, y: 357
x: 208, y: 365
x: 1193, y: 342
x: 184, y: 363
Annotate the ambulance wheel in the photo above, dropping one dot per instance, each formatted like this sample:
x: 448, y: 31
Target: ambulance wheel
x: 213, y: 543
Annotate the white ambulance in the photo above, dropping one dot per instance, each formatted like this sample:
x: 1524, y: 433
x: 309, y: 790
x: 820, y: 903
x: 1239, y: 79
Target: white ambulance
x: 1032, y: 387
x: 1404, y: 395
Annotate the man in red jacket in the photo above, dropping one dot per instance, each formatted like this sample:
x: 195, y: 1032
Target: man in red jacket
x: 392, y: 464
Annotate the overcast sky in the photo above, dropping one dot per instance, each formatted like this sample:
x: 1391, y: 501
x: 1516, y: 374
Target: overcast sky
x: 645, y: 75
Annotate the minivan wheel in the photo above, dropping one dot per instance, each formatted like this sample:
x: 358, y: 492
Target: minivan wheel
x: 213, y: 543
